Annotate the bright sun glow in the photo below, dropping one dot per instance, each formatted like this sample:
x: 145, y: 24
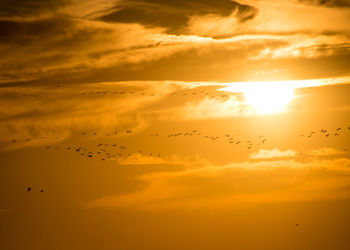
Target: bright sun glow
x: 267, y: 99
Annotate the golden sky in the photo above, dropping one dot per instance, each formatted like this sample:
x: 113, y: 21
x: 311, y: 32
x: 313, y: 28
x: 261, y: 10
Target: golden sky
x: 174, y: 124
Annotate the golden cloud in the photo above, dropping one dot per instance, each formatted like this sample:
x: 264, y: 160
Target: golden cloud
x: 273, y: 153
x: 236, y: 184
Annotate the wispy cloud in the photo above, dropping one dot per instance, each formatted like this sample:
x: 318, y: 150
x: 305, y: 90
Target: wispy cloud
x: 273, y: 153
x: 72, y: 39
x: 237, y: 184
x: 53, y: 112
x: 213, y: 108
x: 326, y: 151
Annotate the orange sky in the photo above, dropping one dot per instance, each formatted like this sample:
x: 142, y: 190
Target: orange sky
x: 151, y: 124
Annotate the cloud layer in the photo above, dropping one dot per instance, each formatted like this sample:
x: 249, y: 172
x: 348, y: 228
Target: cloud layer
x: 236, y: 185
x: 165, y: 40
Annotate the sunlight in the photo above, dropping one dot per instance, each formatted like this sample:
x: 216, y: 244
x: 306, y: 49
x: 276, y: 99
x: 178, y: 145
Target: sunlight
x: 274, y: 96
x: 268, y: 99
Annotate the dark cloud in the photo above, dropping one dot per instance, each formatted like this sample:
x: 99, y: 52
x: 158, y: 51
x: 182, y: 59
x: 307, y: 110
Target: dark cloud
x: 16, y: 31
x: 174, y: 14
x: 10, y: 8
x: 45, y: 46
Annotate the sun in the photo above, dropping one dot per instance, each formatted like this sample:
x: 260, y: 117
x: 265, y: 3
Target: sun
x: 267, y: 99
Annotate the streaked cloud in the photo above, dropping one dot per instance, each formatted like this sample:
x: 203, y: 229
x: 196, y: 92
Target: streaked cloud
x: 326, y: 151
x: 58, y: 111
x: 237, y: 184
x: 328, y: 3
x: 77, y: 38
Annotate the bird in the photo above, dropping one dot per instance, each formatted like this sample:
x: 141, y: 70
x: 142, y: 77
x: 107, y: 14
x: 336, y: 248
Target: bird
x: 29, y: 189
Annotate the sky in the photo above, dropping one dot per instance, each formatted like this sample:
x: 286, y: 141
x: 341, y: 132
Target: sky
x: 154, y: 124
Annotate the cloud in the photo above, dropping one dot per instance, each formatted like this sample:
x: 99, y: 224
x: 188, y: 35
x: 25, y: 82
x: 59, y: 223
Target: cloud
x: 169, y: 40
x: 90, y: 9
x: 32, y: 112
x: 328, y: 3
x: 50, y: 112
x: 222, y: 187
x: 20, y: 8
x: 45, y: 47
x: 214, y: 108
x: 218, y: 26
x: 326, y: 151
x: 273, y: 153
x: 291, y: 16
x: 173, y: 14
x: 143, y: 159
x: 306, y: 46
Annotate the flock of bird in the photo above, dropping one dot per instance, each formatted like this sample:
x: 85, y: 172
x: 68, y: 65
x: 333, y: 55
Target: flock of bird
x: 325, y: 132
x: 107, y: 151
x: 130, y: 92
x: 102, y: 148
